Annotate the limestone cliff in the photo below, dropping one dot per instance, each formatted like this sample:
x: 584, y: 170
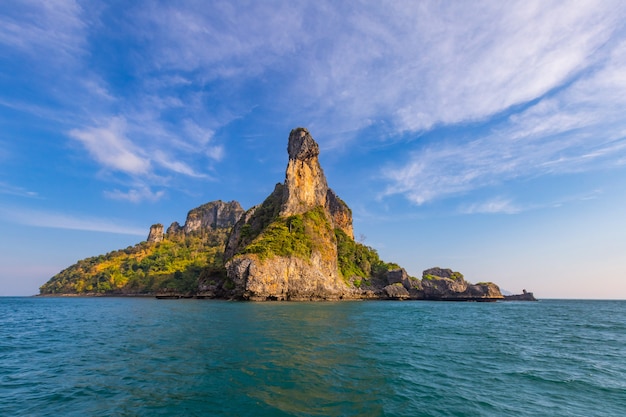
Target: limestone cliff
x: 286, y: 248
x: 213, y: 215
x: 210, y: 216
x: 298, y: 245
x: 305, y: 184
x: 156, y: 233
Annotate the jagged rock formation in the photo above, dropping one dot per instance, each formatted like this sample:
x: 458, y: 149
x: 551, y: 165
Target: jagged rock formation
x: 412, y: 286
x: 156, y: 233
x: 309, y: 211
x: 175, y: 262
x: 298, y: 244
x: 447, y: 285
x: 305, y: 183
x: 212, y: 215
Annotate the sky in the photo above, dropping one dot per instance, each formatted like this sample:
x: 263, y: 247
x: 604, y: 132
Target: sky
x: 487, y: 137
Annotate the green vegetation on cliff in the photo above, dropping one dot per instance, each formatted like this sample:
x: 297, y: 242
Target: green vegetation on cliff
x: 296, y: 235
x: 299, y: 235
x: 357, y: 260
x: 175, y: 264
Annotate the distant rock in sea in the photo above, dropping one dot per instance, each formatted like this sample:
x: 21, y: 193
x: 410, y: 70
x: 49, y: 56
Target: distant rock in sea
x: 524, y: 296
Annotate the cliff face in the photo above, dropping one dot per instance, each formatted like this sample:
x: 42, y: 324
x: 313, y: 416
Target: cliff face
x: 285, y: 278
x: 213, y: 215
x: 297, y: 221
x: 156, y: 233
x: 305, y: 184
x: 299, y: 245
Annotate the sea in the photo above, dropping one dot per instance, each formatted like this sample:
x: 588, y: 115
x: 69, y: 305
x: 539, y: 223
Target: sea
x: 148, y: 357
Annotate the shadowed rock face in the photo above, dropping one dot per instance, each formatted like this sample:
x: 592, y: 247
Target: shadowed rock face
x: 302, y: 146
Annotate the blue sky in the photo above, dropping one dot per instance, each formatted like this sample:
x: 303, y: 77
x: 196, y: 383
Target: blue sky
x: 486, y: 137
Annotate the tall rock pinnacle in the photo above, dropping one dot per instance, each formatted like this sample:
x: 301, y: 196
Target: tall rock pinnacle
x: 305, y: 183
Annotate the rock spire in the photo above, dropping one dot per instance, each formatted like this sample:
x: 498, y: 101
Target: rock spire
x: 305, y: 185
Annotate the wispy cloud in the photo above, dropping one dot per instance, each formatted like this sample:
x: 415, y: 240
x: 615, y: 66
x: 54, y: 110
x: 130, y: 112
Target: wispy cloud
x: 9, y: 189
x: 403, y: 68
x: 152, y: 153
x: 440, y: 63
x: 505, y: 205
x: 54, y: 220
x: 110, y: 147
x: 243, y: 41
x: 577, y: 129
x: 53, y: 28
x: 135, y: 195
x: 493, y: 206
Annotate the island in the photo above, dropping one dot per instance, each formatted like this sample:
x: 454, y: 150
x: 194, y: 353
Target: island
x: 297, y: 245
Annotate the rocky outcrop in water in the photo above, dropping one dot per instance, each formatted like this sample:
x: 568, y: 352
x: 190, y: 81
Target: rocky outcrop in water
x: 524, y: 296
x: 447, y: 285
x: 285, y: 248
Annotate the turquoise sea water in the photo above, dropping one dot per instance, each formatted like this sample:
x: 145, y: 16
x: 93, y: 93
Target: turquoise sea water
x: 147, y: 357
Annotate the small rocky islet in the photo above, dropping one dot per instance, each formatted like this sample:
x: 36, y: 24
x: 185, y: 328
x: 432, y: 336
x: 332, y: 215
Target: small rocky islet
x: 297, y: 245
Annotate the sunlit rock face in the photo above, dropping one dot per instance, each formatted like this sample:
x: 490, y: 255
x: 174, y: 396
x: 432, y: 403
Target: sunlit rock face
x: 293, y: 277
x: 213, y: 215
x: 305, y: 184
x: 156, y: 233
x: 285, y: 278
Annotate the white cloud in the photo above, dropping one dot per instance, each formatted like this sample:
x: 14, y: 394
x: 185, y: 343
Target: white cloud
x: 577, y: 129
x: 153, y: 151
x: 109, y: 146
x: 441, y: 63
x: 176, y: 166
x: 199, y: 135
x: 215, y: 152
x: 135, y: 195
x: 53, y: 29
x: 226, y: 39
x: 40, y: 218
x: 339, y: 68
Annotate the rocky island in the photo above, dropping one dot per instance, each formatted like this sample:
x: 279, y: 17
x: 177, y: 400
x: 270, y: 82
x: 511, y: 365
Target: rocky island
x: 298, y: 244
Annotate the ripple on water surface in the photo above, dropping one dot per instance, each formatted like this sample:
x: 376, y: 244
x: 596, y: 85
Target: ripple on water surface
x: 145, y: 357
